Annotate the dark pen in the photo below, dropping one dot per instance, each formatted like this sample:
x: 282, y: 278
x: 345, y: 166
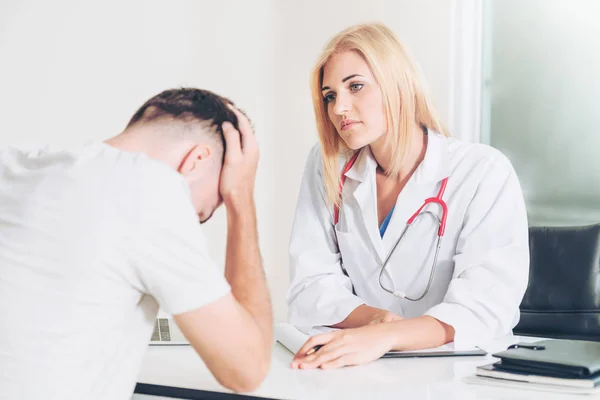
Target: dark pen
x: 314, y: 350
x: 527, y: 346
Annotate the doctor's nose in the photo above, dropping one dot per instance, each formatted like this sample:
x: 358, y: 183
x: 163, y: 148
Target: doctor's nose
x: 341, y: 106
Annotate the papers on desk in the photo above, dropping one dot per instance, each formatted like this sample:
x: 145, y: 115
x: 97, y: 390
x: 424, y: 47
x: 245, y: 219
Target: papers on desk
x: 510, y: 384
x: 292, y: 339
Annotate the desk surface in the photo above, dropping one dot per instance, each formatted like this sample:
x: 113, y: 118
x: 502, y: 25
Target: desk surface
x: 408, y: 378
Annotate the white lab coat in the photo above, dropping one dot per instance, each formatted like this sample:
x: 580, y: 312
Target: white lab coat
x: 483, y: 264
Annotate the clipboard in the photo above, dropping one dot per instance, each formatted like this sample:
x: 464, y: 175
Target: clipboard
x: 436, y: 352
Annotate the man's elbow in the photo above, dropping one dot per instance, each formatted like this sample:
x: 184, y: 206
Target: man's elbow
x: 248, y: 377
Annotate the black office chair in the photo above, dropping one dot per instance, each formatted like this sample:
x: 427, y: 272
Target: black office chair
x: 563, y: 296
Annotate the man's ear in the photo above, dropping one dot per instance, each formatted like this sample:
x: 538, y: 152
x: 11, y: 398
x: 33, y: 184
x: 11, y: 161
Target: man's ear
x: 198, y: 156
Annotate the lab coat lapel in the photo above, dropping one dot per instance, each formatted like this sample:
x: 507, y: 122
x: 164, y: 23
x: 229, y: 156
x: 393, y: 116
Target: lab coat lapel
x: 424, y: 183
x: 365, y: 196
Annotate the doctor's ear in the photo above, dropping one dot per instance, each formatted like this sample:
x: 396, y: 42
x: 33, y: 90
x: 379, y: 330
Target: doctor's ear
x: 198, y: 157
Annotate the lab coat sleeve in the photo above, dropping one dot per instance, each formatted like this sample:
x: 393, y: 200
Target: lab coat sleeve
x: 491, y: 263
x: 320, y: 294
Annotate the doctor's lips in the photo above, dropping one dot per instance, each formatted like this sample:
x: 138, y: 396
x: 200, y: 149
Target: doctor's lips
x: 349, y: 124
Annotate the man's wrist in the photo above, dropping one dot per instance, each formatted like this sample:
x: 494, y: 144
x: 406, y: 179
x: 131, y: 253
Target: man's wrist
x: 239, y: 205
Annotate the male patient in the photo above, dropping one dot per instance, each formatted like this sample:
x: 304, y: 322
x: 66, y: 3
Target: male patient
x: 93, y: 240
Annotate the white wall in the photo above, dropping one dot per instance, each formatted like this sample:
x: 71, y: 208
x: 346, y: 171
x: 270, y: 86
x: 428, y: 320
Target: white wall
x: 73, y: 71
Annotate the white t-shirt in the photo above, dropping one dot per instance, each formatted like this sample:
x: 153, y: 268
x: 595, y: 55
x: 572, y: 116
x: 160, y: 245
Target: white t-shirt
x: 92, y: 241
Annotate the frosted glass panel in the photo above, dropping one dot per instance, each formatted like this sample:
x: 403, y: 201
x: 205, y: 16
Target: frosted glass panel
x: 542, y: 102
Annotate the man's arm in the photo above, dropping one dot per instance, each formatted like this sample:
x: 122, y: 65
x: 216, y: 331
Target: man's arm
x: 233, y: 335
x: 244, y: 270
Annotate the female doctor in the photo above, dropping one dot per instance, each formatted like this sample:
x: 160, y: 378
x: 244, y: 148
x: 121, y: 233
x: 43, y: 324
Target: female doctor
x: 403, y: 237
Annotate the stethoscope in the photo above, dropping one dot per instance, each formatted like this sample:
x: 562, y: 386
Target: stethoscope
x: 441, y: 224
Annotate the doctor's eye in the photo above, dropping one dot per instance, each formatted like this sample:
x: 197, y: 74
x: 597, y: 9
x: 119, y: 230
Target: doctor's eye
x: 328, y: 98
x: 355, y: 87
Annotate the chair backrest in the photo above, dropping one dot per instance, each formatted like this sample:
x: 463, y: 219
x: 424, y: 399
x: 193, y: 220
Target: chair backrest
x: 563, y: 296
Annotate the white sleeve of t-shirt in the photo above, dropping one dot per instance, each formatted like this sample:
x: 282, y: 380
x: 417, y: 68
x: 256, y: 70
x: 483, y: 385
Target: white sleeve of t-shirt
x: 172, y: 259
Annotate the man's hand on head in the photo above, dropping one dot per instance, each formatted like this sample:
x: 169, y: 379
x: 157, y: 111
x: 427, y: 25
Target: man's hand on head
x: 240, y: 163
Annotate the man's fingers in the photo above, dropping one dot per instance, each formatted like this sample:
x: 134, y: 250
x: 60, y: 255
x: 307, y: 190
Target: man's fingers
x: 248, y: 138
x: 243, y: 123
x: 232, y: 140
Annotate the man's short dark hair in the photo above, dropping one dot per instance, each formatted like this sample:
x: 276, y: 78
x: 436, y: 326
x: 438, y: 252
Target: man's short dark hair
x: 187, y: 105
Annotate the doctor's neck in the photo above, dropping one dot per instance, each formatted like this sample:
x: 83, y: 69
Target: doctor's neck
x: 415, y: 153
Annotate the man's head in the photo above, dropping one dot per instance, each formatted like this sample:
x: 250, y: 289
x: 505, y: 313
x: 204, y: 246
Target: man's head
x: 184, y: 128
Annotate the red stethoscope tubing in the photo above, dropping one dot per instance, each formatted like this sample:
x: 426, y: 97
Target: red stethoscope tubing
x: 442, y: 227
x: 437, y: 199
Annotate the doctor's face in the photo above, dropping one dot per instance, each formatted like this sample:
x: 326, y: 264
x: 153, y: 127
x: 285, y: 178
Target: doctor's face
x: 353, y: 99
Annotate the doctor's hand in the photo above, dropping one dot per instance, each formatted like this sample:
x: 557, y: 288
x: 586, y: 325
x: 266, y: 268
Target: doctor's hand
x: 241, y: 160
x: 367, y: 315
x: 345, y: 347
x: 379, y: 316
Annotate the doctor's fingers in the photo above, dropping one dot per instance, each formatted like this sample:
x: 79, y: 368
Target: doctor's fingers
x: 343, y: 361
x: 325, y: 354
x: 311, y: 356
x: 384, y: 316
x: 352, y: 354
x: 389, y: 317
x: 317, y: 340
x: 381, y: 320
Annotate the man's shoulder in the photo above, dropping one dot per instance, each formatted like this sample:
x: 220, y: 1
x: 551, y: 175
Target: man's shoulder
x: 133, y: 172
x: 92, y: 173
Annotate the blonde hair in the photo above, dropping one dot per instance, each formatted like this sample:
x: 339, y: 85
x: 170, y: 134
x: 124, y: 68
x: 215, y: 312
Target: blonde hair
x: 405, y: 100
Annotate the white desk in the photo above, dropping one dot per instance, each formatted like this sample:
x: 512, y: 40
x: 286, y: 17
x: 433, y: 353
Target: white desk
x: 408, y: 378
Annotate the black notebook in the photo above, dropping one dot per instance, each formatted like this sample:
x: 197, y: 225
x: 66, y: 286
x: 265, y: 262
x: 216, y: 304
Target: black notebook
x: 568, y: 359
x: 491, y: 371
